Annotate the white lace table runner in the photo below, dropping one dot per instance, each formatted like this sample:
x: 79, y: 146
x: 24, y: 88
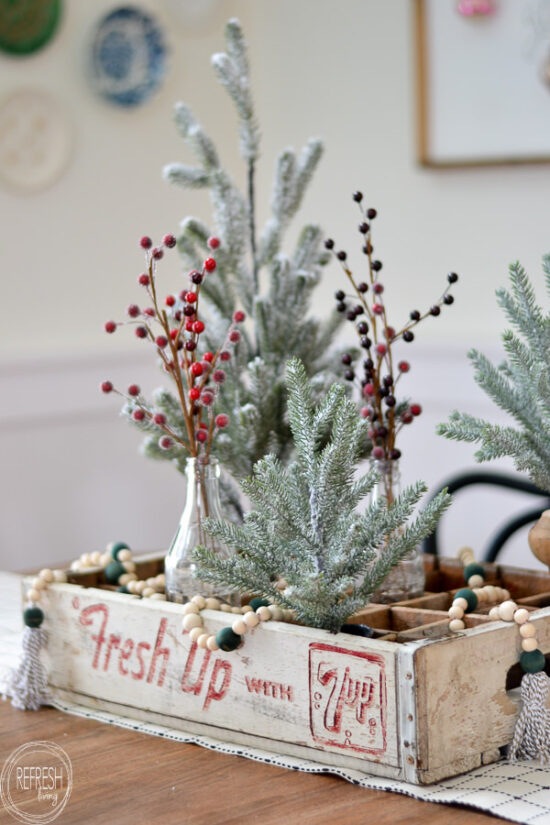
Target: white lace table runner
x: 519, y: 792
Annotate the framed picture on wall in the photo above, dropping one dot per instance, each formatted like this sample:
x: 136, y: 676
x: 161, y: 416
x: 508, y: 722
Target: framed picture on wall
x: 483, y: 71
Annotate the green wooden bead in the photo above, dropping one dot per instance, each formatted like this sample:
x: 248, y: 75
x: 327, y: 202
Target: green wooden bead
x: 33, y: 617
x: 257, y: 602
x: 470, y: 597
x: 114, y: 571
x: 122, y: 589
x: 473, y: 569
x: 532, y: 661
x: 115, y: 547
x: 227, y: 639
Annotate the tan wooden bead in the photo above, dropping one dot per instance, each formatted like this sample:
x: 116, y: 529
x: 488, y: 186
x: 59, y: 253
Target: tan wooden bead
x: 191, y: 620
x: 105, y: 558
x: 212, y: 644
x: 466, y: 555
x: 239, y: 626
x: 506, y: 610
x: 264, y: 614
x: 246, y: 608
x: 34, y: 595
x: 460, y: 602
x: 158, y: 597
x: 202, y: 641
x: 236, y: 610
x: 212, y: 603
x: 276, y: 612
x: 190, y: 607
x: 456, y: 624
x: 147, y: 592
x: 58, y: 575
x: 476, y: 580
x: 38, y: 583
x: 124, y: 555
x: 456, y: 612
x: 195, y: 632
x: 225, y: 608
x: 529, y: 644
x: 161, y: 580
x: 126, y: 578
x: 490, y: 592
x: 251, y: 619
x: 47, y: 575
x: 527, y: 630
x: 200, y: 601
x: 140, y: 587
x: 521, y: 615
x: 85, y: 560
x: 129, y: 566
x: 493, y: 613
x: 95, y: 558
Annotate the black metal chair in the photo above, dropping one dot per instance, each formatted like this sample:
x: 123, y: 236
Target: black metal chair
x: 491, y: 479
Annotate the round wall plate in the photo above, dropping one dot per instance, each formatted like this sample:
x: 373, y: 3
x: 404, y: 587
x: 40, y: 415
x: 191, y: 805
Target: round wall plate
x: 35, y: 140
x: 128, y: 56
x: 27, y: 25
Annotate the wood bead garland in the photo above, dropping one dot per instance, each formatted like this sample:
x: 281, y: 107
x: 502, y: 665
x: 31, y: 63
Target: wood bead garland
x: 230, y: 638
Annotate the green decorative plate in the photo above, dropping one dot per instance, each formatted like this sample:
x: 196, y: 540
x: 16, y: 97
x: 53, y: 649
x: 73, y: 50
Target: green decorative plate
x: 27, y: 25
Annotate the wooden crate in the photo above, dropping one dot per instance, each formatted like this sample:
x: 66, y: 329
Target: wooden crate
x: 412, y: 703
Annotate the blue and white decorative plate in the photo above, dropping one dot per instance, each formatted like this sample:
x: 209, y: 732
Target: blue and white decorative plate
x: 128, y: 56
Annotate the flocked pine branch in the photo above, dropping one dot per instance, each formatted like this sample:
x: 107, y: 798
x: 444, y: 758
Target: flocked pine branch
x: 304, y: 545
x: 520, y: 386
x: 275, y: 289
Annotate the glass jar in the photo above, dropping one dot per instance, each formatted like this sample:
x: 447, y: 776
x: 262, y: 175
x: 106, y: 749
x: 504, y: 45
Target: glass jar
x: 202, y: 501
x: 407, y: 579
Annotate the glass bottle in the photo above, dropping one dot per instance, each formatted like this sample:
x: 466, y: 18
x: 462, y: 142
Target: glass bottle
x: 202, y: 501
x: 407, y: 579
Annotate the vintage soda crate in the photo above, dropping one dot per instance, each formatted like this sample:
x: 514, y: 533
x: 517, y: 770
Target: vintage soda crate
x: 412, y: 703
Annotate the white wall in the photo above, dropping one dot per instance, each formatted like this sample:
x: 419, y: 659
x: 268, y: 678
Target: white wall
x: 71, y: 478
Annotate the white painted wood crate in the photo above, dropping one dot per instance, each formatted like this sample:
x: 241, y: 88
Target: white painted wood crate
x: 415, y: 704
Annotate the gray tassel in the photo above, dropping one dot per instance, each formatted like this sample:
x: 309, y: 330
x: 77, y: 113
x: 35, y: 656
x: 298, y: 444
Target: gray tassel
x: 28, y: 684
x: 532, y: 732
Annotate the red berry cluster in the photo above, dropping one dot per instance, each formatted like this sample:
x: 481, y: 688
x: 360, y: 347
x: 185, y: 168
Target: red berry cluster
x: 375, y: 370
x: 173, y: 326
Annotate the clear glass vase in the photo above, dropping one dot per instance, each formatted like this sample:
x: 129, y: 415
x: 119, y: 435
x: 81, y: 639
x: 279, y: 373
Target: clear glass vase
x: 407, y: 579
x: 202, y: 501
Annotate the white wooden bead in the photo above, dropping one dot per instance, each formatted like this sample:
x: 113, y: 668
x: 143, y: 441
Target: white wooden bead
x: 476, y: 580
x: 480, y: 593
x: 504, y: 594
x: 239, y: 626
x: 158, y: 597
x: 131, y: 586
x: 506, y: 610
x: 190, y: 607
x: 47, y: 575
x: 212, y: 603
x: 527, y: 630
x: 191, y: 620
x: 38, y: 583
x: 200, y: 601
x: 225, y: 608
x: 195, y: 632
x: 140, y: 587
x: 456, y: 624
x: 529, y: 644
x: 493, y: 613
x: 236, y: 610
x: 460, y: 602
x: 104, y: 559
x: 276, y: 612
x: 521, y: 615
x: 246, y: 609
x: 490, y: 592
x: 251, y: 619
x: 129, y: 566
x: 212, y: 644
x: 124, y: 555
x: 148, y: 592
x: 264, y: 614
x: 161, y: 580
x: 85, y: 560
x: 455, y: 612
x: 126, y: 578
x: 33, y: 595
x: 75, y: 565
x: 58, y: 575
x: 202, y: 641
x: 95, y: 558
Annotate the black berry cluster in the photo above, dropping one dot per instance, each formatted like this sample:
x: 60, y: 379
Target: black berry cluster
x: 376, y: 370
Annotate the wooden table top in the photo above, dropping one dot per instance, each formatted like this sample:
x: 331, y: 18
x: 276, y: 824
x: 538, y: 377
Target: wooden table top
x: 129, y: 778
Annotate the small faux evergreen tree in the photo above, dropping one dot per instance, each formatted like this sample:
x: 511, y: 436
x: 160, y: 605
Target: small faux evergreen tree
x: 520, y: 386
x: 306, y: 528
x: 274, y: 289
